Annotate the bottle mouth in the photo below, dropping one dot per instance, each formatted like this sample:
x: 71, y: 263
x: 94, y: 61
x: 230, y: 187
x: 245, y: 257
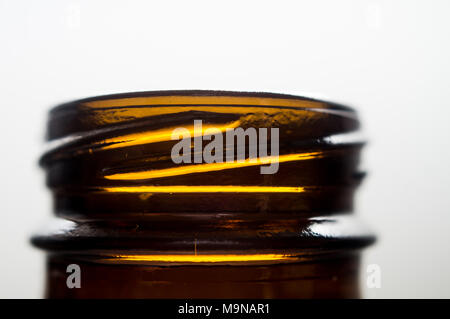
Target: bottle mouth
x: 244, y: 177
x: 123, y: 155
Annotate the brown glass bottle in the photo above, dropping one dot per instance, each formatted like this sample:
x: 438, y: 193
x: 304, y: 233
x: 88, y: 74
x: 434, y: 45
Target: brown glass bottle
x: 141, y: 226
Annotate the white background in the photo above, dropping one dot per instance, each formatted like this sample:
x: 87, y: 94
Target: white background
x: 389, y: 59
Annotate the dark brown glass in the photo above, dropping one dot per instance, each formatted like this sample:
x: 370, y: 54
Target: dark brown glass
x: 141, y: 226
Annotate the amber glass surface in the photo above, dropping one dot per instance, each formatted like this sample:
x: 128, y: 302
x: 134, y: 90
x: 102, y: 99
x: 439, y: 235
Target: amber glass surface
x: 141, y: 226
